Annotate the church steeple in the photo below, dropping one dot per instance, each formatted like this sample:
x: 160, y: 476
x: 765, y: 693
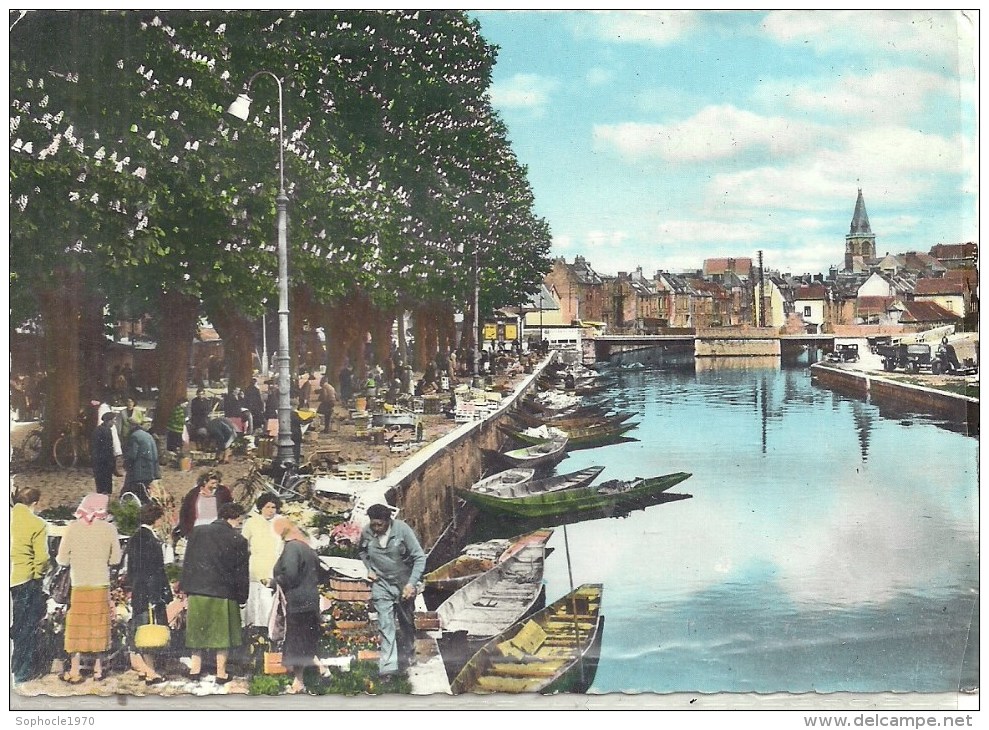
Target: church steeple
x: 860, y: 243
x: 860, y: 219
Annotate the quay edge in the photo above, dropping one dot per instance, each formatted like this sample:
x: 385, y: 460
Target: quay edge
x: 423, y: 486
x: 886, y: 392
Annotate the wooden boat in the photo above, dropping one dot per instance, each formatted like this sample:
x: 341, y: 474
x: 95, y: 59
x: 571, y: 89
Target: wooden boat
x: 584, y: 437
x: 506, y: 478
x: 563, y: 422
x: 555, y: 650
x: 606, y: 497
x: 487, y: 498
x: 478, y: 559
x: 542, y: 454
x: 569, y: 405
x: 498, y: 598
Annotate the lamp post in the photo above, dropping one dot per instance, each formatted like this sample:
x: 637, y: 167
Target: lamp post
x: 240, y: 108
x: 264, y: 342
x: 477, y: 325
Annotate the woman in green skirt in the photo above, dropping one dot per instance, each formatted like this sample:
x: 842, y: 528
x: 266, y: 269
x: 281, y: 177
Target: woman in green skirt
x: 215, y: 576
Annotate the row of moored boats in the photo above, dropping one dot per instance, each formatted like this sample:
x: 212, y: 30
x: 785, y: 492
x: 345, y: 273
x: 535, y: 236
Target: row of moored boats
x: 489, y: 596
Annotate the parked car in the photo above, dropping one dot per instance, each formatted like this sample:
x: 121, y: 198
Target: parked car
x: 844, y: 352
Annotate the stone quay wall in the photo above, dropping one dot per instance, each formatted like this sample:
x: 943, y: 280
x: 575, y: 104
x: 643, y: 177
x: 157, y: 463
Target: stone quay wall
x: 423, y: 486
x: 885, y: 391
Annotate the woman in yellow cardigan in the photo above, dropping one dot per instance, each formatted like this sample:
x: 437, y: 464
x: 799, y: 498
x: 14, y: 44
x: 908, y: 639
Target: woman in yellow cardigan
x: 265, y: 547
x: 89, y: 547
x: 28, y: 566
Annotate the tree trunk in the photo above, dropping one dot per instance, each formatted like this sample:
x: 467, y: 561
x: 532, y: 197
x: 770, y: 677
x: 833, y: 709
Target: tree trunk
x: 468, y: 336
x: 60, y: 315
x: 426, y: 333
x: 380, y: 322
x: 335, y: 343
x: 403, y: 344
x: 237, y: 333
x: 446, y: 328
x: 179, y: 313
x: 93, y: 376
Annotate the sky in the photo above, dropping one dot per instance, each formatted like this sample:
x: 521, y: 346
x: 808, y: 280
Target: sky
x: 661, y: 138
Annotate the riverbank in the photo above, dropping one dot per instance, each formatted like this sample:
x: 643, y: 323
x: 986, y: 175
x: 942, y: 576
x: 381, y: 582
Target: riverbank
x: 902, y: 392
x: 403, y: 474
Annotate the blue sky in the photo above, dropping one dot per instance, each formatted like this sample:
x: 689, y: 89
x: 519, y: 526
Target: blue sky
x: 661, y: 138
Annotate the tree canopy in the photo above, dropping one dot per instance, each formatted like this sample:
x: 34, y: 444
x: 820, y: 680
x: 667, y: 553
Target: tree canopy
x: 127, y: 175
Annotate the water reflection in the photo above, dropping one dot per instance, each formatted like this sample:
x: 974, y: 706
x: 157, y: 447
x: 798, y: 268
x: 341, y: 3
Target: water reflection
x: 826, y: 548
x: 703, y: 364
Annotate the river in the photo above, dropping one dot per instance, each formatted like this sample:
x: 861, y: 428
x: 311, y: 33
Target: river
x: 826, y: 547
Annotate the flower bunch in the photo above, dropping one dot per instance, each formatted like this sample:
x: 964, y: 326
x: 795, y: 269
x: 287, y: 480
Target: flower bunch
x: 346, y: 534
x: 349, y: 611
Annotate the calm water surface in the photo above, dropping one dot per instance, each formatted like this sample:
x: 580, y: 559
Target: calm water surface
x: 827, y: 547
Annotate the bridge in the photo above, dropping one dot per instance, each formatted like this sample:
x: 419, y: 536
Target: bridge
x: 715, y: 342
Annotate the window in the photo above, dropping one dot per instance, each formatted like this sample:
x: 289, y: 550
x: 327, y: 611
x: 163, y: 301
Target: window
x: 806, y: 311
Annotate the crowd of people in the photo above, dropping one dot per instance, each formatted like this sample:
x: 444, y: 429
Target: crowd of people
x: 241, y: 575
x: 238, y: 570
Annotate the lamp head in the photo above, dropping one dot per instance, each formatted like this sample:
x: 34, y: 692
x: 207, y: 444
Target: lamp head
x: 241, y: 107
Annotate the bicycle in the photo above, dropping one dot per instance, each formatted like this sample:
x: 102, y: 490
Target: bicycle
x: 291, y: 486
x: 29, y: 451
x: 70, y: 446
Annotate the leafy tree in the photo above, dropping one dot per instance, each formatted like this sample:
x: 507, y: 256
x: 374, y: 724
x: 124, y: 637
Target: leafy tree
x: 129, y: 181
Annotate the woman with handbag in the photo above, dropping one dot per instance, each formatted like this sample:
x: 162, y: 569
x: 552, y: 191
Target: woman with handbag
x: 297, y: 574
x: 89, y: 547
x: 150, y: 593
x: 265, y: 547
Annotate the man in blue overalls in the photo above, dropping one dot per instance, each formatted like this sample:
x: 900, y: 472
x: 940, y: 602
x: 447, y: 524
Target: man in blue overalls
x: 395, y: 562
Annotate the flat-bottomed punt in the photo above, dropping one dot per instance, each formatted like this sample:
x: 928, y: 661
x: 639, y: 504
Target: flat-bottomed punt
x: 503, y: 499
x: 543, y: 454
x: 472, y: 564
x: 608, y: 496
x: 555, y: 650
x: 503, y: 595
x: 584, y: 437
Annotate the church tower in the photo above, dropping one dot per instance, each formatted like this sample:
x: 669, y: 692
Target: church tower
x: 860, y: 243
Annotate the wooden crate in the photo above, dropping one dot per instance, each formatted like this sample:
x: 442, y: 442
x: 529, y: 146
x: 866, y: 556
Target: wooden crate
x: 202, y: 457
x: 273, y: 663
x: 427, y: 621
x: 359, y: 472
x: 347, y: 589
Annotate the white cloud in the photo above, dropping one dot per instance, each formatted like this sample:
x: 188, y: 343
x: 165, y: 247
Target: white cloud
x: 714, y: 133
x: 693, y: 231
x: 598, y: 76
x: 653, y: 27
x: 928, y: 34
x: 898, y: 163
x: 893, y: 95
x: 605, y: 239
x: 526, y: 91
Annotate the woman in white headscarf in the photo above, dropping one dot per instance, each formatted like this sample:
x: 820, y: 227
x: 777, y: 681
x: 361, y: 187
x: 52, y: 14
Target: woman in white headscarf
x: 89, y: 547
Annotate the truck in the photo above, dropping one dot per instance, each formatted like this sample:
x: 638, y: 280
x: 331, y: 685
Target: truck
x: 924, y: 357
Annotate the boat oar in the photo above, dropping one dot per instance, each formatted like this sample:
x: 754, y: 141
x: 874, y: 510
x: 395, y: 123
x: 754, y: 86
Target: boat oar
x: 573, y: 608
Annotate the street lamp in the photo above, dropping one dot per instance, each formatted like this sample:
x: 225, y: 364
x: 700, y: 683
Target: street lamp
x: 240, y: 108
x: 264, y: 341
